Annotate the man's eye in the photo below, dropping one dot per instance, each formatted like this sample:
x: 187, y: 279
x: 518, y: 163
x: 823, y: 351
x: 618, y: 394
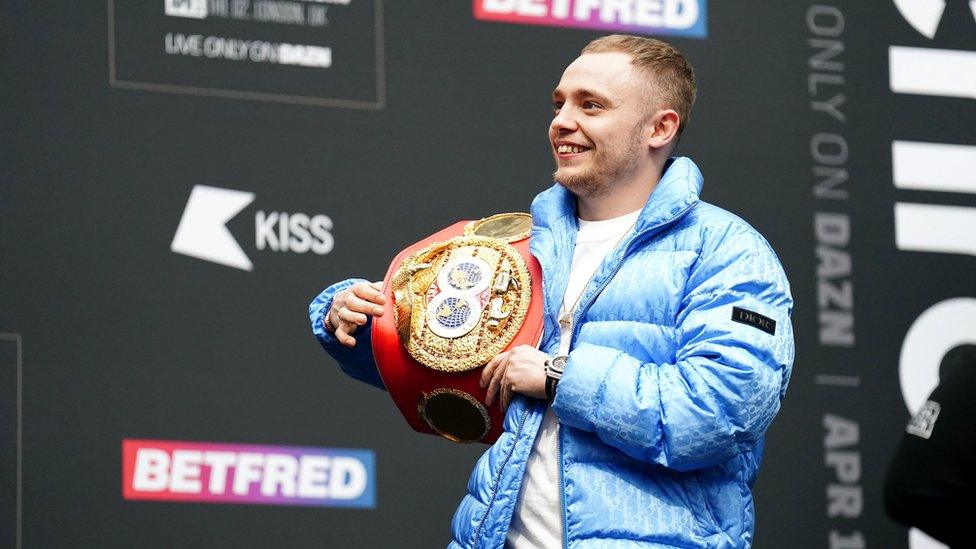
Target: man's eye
x: 556, y: 105
x: 591, y: 105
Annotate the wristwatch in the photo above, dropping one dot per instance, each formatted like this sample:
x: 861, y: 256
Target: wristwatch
x: 554, y: 372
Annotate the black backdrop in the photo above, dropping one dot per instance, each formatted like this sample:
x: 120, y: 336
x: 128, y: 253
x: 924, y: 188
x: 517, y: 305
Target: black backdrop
x: 426, y: 116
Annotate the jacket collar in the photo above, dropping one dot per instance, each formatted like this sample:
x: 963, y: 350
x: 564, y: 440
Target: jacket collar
x: 555, y: 227
x: 677, y: 190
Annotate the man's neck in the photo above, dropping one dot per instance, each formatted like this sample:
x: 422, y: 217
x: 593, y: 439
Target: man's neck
x: 623, y: 197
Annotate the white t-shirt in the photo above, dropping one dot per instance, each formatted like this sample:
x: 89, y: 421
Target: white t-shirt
x: 538, y: 519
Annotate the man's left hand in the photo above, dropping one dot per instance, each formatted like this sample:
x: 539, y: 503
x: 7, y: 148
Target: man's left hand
x: 521, y: 369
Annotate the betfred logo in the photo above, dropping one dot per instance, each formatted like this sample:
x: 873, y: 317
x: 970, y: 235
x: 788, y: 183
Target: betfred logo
x: 673, y: 17
x: 167, y: 470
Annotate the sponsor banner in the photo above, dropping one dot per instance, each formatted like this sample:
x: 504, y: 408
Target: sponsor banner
x: 169, y: 470
x: 671, y: 17
x: 313, y: 52
x: 202, y: 232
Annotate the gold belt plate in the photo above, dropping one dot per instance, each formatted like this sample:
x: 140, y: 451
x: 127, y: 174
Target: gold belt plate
x: 459, y: 303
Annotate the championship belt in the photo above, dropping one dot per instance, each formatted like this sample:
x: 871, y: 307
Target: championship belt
x: 454, y: 301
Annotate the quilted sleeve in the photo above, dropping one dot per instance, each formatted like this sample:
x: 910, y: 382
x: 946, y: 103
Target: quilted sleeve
x: 733, y: 358
x: 357, y: 361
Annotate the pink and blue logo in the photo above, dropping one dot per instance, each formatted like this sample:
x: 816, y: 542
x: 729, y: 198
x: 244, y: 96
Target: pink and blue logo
x: 669, y: 17
x: 169, y: 470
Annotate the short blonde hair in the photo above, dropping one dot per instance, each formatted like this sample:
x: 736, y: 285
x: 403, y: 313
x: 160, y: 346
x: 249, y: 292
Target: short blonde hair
x: 672, y: 74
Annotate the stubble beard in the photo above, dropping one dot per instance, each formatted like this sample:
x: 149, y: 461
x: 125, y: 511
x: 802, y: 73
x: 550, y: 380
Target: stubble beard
x: 608, y: 166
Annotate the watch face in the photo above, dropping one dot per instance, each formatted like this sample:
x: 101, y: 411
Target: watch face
x: 555, y: 366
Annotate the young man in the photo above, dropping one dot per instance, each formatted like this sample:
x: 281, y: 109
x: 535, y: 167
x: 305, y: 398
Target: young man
x: 667, y: 334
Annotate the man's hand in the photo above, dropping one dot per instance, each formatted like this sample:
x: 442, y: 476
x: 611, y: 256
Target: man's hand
x: 518, y: 370
x: 350, y: 307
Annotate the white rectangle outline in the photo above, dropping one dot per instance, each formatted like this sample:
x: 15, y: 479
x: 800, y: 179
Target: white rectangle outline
x: 377, y: 105
x: 19, y: 518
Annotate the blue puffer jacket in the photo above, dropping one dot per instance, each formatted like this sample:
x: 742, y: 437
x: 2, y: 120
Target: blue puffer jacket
x: 665, y: 397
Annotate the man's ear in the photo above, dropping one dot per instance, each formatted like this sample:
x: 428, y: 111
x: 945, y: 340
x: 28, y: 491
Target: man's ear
x: 663, y: 130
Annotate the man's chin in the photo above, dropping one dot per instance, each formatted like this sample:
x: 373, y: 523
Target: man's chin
x: 580, y: 184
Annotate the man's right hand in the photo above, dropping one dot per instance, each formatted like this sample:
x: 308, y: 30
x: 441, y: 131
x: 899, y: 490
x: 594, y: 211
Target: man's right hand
x: 350, y: 307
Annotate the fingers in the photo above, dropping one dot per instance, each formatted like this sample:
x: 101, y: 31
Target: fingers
x: 494, y: 384
x: 343, y: 326
x: 343, y: 336
x: 508, y: 390
x: 347, y: 315
x: 347, y: 324
x: 356, y: 305
x: 364, y: 299
x: 372, y: 293
x: 487, y: 374
x: 350, y: 307
x: 489, y: 369
x: 518, y: 370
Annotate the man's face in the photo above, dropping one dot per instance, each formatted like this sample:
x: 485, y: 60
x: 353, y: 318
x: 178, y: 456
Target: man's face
x: 599, y: 112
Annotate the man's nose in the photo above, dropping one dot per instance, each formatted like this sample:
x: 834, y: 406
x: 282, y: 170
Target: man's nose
x: 564, y: 121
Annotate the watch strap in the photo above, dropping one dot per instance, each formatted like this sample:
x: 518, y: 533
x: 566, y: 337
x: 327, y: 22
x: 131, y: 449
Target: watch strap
x: 554, y: 372
x: 551, y: 384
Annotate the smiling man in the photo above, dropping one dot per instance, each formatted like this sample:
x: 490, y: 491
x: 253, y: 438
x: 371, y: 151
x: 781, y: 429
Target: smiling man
x: 668, y: 346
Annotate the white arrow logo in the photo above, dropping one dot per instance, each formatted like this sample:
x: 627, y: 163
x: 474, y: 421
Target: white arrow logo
x: 203, y: 233
x: 925, y: 15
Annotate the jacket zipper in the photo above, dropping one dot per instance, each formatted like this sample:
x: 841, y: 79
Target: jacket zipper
x: 559, y: 456
x: 498, y: 481
x: 572, y: 340
x: 589, y: 302
x: 562, y: 486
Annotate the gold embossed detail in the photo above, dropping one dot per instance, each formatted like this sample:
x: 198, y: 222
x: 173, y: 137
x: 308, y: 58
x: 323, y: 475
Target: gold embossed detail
x: 501, y: 315
x: 455, y: 415
x: 414, y: 273
x: 510, y: 227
